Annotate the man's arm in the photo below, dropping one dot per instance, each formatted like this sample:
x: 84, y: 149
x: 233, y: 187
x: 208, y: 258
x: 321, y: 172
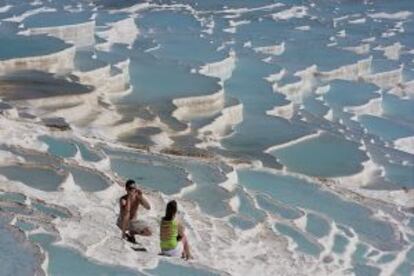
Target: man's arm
x: 144, y: 202
x: 125, y: 209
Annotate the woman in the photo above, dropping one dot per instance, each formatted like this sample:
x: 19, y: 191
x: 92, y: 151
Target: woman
x: 171, y: 233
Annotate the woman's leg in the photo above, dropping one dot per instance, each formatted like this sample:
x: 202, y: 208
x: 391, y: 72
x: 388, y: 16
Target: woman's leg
x: 186, y: 252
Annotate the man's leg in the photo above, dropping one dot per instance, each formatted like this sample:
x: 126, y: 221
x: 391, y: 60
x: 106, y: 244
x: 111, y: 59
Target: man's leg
x: 130, y: 237
x: 139, y: 228
x: 145, y: 232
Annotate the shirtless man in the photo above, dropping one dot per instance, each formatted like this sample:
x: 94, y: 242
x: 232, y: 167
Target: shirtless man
x: 127, y: 220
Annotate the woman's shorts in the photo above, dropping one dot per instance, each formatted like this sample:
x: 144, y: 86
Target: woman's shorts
x: 176, y: 252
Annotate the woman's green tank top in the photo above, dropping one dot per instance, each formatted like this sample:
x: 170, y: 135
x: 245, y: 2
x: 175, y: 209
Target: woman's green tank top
x: 170, y: 241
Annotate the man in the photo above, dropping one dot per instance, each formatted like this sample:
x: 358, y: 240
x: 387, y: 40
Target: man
x: 127, y: 220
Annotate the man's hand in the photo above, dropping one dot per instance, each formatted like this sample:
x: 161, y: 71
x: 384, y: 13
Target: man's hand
x: 143, y: 201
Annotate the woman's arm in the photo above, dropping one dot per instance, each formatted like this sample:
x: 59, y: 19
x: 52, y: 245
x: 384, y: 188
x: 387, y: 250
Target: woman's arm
x: 181, y: 229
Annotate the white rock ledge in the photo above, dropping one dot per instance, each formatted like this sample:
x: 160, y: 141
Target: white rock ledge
x: 81, y: 35
x: 53, y: 63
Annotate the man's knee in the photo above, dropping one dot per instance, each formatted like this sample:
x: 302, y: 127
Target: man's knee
x: 145, y: 232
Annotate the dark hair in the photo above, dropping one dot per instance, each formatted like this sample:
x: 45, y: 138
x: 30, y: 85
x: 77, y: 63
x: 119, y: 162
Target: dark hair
x: 171, y: 210
x: 129, y: 184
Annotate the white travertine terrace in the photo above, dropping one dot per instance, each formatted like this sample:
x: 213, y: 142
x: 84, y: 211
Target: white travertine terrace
x: 229, y: 117
x: 405, y: 144
x: 61, y: 61
x: 222, y: 69
x: 124, y: 31
x: 189, y: 106
x: 95, y: 117
x: 360, y: 50
x: 297, y: 91
x: 391, y: 52
x: 349, y: 72
x: 275, y: 50
x: 81, y: 34
x: 293, y: 12
x: 373, y: 107
x: 386, y: 79
x: 284, y: 111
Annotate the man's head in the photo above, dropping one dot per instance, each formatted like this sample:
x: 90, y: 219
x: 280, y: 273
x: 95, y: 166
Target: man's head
x: 131, y: 187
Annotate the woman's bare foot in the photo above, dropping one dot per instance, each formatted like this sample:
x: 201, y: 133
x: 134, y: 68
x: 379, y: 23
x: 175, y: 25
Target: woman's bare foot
x: 186, y: 256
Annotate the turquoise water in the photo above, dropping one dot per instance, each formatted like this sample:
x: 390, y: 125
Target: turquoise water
x: 347, y: 93
x: 104, y: 18
x: 65, y: 261
x: 141, y: 136
x: 385, y: 128
x: 325, y: 156
x: 295, y: 192
x: 386, y: 258
x: 169, y: 180
x: 405, y: 268
x: 411, y: 223
x: 266, y: 203
x: 89, y: 154
x: 45, y: 179
x: 146, y: 71
x: 166, y: 268
x: 51, y: 19
x: 172, y: 46
x: 248, y: 208
x: 366, y: 270
x: 178, y: 34
x: 14, y: 254
x: 340, y: 243
x: 25, y: 226
x: 177, y: 80
x: 88, y: 180
x: 315, y: 107
x: 23, y: 46
x: 399, y: 109
x: 209, y: 196
x: 55, y: 212
x: 84, y: 62
x: 359, y: 254
x: 19, y: 206
x: 68, y: 148
x: 317, y: 226
x: 242, y: 222
x: 59, y: 147
x: 303, y: 243
x: 257, y: 131
x: 400, y: 176
x: 14, y: 197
